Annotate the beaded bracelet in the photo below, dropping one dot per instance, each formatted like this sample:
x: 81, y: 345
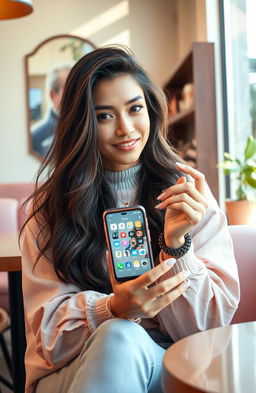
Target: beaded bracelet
x: 175, y: 251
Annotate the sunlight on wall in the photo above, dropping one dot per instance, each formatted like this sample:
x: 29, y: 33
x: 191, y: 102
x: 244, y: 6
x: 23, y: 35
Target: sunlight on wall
x: 103, y: 20
x: 252, y: 219
x: 122, y: 38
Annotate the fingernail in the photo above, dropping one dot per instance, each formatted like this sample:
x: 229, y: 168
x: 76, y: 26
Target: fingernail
x: 186, y: 274
x: 186, y: 284
x: 158, y: 205
x: 161, y: 195
x: 181, y: 165
x: 171, y: 261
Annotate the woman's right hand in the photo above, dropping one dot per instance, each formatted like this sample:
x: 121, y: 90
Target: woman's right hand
x: 139, y: 299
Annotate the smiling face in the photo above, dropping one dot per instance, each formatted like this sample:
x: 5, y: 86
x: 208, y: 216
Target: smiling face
x: 123, y: 121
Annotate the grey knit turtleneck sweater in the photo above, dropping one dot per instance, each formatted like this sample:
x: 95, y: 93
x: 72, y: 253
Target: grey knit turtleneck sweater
x: 125, y: 184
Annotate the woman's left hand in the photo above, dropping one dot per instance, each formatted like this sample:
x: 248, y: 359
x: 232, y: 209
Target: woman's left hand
x: 185, y: 204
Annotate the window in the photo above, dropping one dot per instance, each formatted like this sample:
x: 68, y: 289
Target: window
x: 238, y: 20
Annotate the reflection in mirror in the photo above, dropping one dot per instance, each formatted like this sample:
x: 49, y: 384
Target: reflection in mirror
x: 47, y: 68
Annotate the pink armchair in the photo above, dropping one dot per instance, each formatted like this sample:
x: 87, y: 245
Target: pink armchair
x: 8, y: 224
x: 12, y: 217
x: 20, y: 192
x: 8, y: 215
x: 244, y: 240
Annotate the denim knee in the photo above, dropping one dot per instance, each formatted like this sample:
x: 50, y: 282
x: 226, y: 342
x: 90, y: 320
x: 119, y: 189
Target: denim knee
x: 120, y: 333
x: 118, y: 347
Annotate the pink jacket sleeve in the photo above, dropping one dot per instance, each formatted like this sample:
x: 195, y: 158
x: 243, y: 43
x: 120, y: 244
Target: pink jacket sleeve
x: 213, y: 295
x: 59, y: 317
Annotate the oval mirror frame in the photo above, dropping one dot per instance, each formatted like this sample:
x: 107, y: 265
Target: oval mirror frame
x: 55, y: 55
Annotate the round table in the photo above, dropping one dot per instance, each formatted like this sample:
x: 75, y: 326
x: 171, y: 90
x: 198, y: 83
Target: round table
x: 220, y: 360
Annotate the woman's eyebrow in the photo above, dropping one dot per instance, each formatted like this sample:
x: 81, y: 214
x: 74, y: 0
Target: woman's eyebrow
x: 111, y: 107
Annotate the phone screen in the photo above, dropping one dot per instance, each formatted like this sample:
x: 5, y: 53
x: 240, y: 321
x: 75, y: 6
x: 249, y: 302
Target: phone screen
x: 129, y: 242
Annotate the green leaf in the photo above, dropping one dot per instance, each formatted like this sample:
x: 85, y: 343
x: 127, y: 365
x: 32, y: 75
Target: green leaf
x: 250, y: 148
x: 251, y: 163
x: 228, y: 165
x: 250, y: 176
x: 229, y: 171
x: 228, y: 156
x: 251, y: 180
x: 241, y: 193
x: 63, y: 48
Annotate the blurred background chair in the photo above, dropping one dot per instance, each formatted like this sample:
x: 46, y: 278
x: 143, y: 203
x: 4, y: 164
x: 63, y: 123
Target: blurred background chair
x: 20, y: 192
x: 8, y: 224
x: 12, y: 218
x: 4, y: 325
x: 244, y: 240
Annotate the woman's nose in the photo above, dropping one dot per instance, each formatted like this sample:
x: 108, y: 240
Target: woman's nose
x: 124, y: 126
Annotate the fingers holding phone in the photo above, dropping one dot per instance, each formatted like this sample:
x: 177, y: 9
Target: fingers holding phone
x: 138, y: 298
x: 137, y: 292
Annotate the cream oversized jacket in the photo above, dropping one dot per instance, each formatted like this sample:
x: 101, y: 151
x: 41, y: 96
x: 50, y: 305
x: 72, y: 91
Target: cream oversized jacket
x: 60, y: 317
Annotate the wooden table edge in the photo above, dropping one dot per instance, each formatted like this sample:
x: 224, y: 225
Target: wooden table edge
x: 11, y: 264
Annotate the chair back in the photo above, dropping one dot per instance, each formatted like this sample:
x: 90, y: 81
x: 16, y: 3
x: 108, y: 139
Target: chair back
x: 8, y: 215
x: 8, y: 224
x: 244, y: 241
x: 20, y: 192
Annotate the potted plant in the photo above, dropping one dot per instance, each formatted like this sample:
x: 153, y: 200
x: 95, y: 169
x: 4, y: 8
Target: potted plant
x: 242, y: 210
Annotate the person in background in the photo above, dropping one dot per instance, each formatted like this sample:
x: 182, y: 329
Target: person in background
x: 85, y: 332
x: 44, y: 131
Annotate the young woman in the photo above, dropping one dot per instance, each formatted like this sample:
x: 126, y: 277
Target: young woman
x: 84, y: 333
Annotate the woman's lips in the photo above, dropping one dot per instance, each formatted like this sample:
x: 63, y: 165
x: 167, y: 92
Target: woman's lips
x: 127, y: 145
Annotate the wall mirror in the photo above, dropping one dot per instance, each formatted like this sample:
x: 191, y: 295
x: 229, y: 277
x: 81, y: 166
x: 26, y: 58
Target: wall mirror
x: 46, y: 70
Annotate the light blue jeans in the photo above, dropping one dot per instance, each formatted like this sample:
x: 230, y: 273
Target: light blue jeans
x: 119, y: 357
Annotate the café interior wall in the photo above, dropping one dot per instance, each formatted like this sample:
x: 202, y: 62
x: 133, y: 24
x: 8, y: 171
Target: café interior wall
x: 149, y: 27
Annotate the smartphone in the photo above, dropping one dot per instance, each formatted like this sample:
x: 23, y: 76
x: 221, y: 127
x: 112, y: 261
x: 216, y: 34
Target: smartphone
x: 128, y: 241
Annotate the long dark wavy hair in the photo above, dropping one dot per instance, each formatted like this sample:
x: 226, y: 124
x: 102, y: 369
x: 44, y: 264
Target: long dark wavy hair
x: 68, y: 206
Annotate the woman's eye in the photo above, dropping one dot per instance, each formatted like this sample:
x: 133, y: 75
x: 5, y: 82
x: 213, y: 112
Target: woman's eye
x: 103, y: 116
x: 136, y: 108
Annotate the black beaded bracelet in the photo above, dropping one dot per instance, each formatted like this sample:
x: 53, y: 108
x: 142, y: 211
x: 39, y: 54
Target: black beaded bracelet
x: 175, y: 251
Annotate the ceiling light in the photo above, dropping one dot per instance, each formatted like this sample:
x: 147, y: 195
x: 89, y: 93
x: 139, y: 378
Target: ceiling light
x: 10, y: 9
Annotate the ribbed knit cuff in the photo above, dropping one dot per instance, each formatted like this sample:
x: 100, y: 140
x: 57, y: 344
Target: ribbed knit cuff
x: 188, y: 262
x: 97, y: 311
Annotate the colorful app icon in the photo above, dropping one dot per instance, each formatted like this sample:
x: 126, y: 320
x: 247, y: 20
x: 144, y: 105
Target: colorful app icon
x: 118, y: 254
x: 121, y: 225
x: 138, y: 224
x: 113, y: 227
x: 144, y: 263
x: 120, y: 266
x: 133, y: 242
x: 139, y: 233
x: 142, y: 251
x: 136, y: 263
x: 128, y: 265
x: 126, y: 253
x: 129, y: 224
x: 116, y: 243
x: 134, y: 252
x: 140, y: 240
x: 131, y: 233
x: 122, y: 234
x: 124, y: 243
x: 115, y: 235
